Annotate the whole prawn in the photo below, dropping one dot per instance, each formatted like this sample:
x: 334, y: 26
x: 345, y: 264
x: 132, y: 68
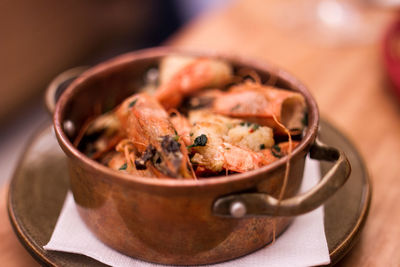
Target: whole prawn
x: 152, y: 137
x: 186, y: 76
x: 264, y: 105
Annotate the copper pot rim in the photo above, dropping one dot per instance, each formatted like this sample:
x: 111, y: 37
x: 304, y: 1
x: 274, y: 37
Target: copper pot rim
x: 158, y: 52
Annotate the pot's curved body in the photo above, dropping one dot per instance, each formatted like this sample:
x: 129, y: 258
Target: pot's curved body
x: 164, y: 220
x: 176, y: 225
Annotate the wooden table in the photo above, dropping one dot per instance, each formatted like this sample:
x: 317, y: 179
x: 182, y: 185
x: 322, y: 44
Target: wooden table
x: 349, y: 84
x: 12, y: 252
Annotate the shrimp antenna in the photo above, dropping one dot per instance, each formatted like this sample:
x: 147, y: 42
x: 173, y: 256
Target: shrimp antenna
x: 285, y: 179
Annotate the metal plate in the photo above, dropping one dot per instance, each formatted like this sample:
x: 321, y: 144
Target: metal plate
x: 39, y: 186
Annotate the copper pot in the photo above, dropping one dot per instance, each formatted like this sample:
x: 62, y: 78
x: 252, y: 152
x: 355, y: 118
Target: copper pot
x: 183, y: 222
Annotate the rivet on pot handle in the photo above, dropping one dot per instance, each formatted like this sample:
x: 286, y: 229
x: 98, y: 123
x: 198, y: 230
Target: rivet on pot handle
x: 59, y: 84
x: 256, y: 204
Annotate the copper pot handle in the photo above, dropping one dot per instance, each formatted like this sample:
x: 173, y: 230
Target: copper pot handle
x: 256, y: 204
x: 58, y: 85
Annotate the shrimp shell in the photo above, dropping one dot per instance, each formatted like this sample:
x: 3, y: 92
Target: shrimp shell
x: 259, y: 104
x: 190, y: 77
x: 146, y: 123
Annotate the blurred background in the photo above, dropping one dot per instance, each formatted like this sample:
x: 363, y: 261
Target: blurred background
x: 40, y: 39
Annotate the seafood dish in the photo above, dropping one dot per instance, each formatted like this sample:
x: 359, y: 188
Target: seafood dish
x: 196, y: 117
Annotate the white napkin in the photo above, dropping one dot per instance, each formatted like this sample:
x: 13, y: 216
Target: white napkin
x: 302, y: 244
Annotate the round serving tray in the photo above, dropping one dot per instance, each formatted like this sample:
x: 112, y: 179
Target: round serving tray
x: 39, y: 186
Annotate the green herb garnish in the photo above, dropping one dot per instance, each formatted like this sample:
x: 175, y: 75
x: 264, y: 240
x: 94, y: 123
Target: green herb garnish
x: 123, y: 167
x: 176, y: 136
x: 191, y: 134
x: 132, y: 103
x: 255, y: 126
x: 246, y: 123
x: 276, y: 151
x: 262, y: 146
x: 199, y: 141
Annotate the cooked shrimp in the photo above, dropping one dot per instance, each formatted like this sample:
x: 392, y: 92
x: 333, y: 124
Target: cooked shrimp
x: 230, y: 144
x: 240, y: 160
x: 146, y: 124
x: 259, y: 104
x: 105, y: 130
x: 278, y: 151
x: 203, y: 99
x: 119, y: 162
x: 223, y: 130
x: 181, y: 125
x: 170, y: 65
x: 186, y: 76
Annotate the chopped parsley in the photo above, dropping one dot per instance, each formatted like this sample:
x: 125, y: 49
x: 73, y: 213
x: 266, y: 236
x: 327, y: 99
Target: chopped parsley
x: 133, y: 103
x: 200, y: 140
x: 276, y: 151
x: 176, y: 136
x: 123, y: 167
x: 255, y: 126
x: 262, y: 146
x: 246, y: 123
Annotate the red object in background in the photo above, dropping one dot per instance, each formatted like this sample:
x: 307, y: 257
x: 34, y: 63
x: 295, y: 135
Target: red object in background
x: 391, y: 54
